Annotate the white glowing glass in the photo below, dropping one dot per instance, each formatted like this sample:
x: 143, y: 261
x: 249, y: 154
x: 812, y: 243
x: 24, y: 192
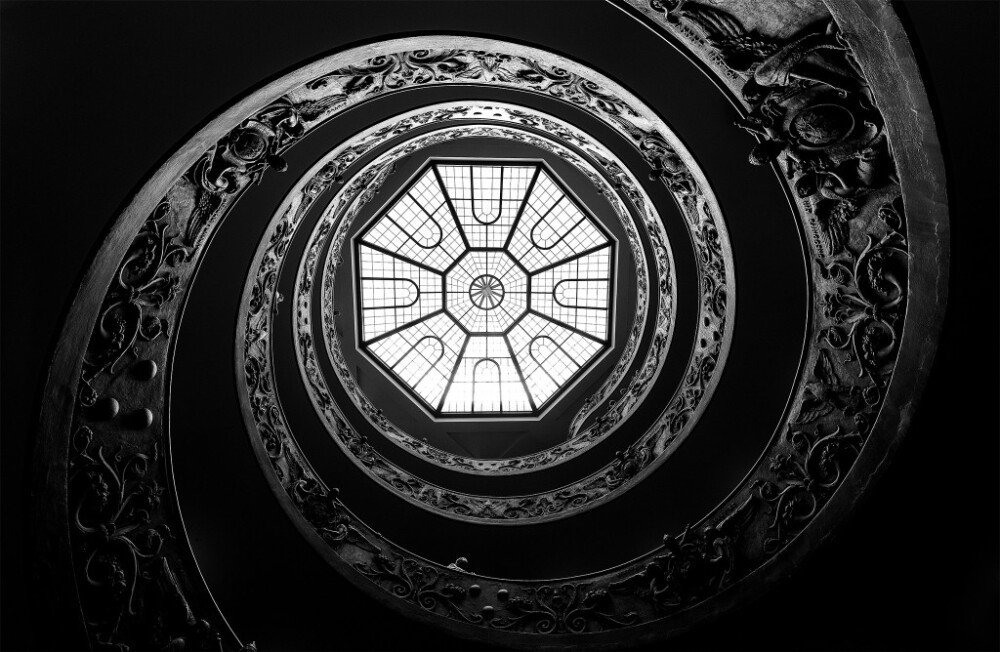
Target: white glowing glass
x: 485, y: 288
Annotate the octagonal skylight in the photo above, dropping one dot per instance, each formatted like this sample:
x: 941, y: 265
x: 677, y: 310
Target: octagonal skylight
x: 484, y: 288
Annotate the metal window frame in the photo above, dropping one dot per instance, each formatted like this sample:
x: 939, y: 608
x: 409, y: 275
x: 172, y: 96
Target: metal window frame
x: 539, y: 410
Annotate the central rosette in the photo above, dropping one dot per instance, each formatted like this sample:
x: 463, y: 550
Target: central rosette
x: 487, y: 291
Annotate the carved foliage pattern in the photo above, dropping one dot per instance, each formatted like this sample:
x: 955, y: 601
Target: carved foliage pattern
x: 121, y: 535
x: 120, y: 528
x: 591, y: 489
x: 423, y: 67
x: 815, y: 117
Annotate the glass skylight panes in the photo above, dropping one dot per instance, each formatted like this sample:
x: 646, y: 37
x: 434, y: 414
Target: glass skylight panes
x: 486, y: 199
x: 487, y: 291
x: 395, y: 292
x: 576, y: 292
x: 484, y: 288
x: 423, y: 355
x: 549, y: 354
x: 420, y: 226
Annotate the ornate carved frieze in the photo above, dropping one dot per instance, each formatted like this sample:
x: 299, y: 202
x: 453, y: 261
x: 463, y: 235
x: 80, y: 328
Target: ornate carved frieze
x: 126, y: 547
x: 816, y: 119
x: 804, y: 471
x: 503, y: 509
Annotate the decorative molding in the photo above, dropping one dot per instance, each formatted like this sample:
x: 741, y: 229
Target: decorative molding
x: 123, y: 541
x: 615, y: 411
x: 652, y: 448
x: 125, y: 547
x: 140, y: 588
x: 775, y: 503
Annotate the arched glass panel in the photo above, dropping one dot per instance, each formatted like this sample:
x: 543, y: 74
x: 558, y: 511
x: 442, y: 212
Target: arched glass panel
x: 487, y: 390
x: 555, y: 226
x: 581, y: 293
x: 389, y: 293
x: 418, y: 225
x: 423, y: 356
x: 552, y: 359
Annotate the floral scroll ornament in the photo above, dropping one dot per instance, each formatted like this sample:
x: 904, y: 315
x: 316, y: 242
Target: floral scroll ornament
x: 143, y: 281
x: 125, y: 550
x: 866, y: 309
x: 132, y: 596
x: 805, y: 479
x: 421, y: 67
x: 691, y: 565
x: 250, y: 149
x: 813, y: 115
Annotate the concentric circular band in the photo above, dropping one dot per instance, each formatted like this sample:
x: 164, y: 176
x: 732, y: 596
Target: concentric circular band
x: 721, y: 530
x: 859, y: 245
x: 302, y: 298
x: 611, y: 413
x: 557, y: 503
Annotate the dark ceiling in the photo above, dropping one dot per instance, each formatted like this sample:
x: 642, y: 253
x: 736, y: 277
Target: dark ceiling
x: 96, y: 95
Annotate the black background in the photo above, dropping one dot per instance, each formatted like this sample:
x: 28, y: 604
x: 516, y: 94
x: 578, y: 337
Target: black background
x: 96, y: 95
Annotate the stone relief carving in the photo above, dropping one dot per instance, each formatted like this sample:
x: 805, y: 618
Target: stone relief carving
x: 120, y: 531
x: 815, y: 117
x: 250, y: 149
x: 124, y: 548
x: 120, y: 500
x: 692, y: 565
x: 665, y: 435
x: 453, y: 503
x: 422, y: 67
x: 145, y: 282
x: 706, y: 559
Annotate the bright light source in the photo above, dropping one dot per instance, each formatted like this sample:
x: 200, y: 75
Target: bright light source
x: 485, y: 288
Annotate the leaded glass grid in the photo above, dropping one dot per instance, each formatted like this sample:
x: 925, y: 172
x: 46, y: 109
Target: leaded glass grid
x: 485, y: 287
